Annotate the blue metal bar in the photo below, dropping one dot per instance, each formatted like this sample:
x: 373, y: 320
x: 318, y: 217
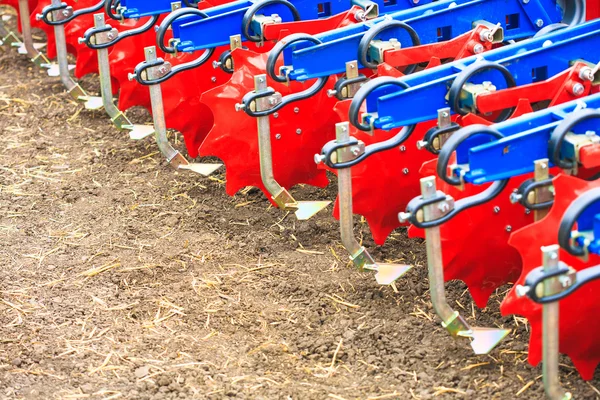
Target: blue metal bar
x: 197, y: 34
x: 528, y: 61
x: 526, y: 140
x: 144, y: 8
x: 436, y: 22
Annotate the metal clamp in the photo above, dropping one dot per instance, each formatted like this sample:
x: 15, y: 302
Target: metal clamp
x: 278, y: 49
x: 164, y: 69
x: 458, y: 85
x: 346, y: 87
x: 366, y: 42
x: 110, y: 6
x: 165, y: 25
x: 364, y: 92
x: 107, y: 36
x: 576, y: 243
x: 434, y: 138
x: 250, y: 15
x: 62, y: 13
x: 557, y: 138
x: 276, y: 101
x: 453, y: 143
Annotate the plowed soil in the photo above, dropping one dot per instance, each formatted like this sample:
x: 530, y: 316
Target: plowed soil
x: 123, y: 278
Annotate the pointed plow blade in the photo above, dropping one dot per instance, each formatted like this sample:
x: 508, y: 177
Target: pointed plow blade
x: 307, y: 209
x: 389, y: 273
x: 53, y: 69
x: 22, y: 50
x: 139, y: 132
x: 92, y: 102
x: 202, y: 169
x: 483, y: 340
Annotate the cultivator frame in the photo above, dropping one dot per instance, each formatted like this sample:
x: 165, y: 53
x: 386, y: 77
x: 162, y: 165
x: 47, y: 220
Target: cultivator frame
x: 498, y: 99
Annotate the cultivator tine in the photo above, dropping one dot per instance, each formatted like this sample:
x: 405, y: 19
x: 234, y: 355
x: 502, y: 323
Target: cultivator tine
x: 284, y: 200
x: 174, y: 157
x: 550, y: 336
x: 483, y: 340
x: 9, y: 38
x: 73, y: 88
x: 136, y: 132
x: 28, y: 47
x: 386, y: 274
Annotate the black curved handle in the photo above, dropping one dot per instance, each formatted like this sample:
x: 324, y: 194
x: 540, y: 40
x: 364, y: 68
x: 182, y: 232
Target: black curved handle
x: 374, y: 31
x: 168, y: 21
x: 332, y: 146
x: 143, y: 66
x: 361, y: 96
x: 570, y: 217
x: 417, y: 204
x: 560, y: 132
x: 46, y: 11
x: 278, y: 49
x: 529, y: 186
x: 110, y: 6
x: 465, y: 75
x: 306, y: 93
x: 537, y: 276
x: 255, y: 8
x: 432, y: 134
x: 452, y: 144
x: 90, y: 33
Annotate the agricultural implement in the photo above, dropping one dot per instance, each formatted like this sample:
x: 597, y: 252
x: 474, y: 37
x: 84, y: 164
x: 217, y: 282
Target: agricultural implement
x: 472, y: 122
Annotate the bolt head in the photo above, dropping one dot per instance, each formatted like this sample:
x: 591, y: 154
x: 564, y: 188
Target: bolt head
x: 478, y: 48
x: 296, y: 110
x: 565, y: 281
x: 403, y: 217
x: 278, y: 136
x: 521, y: 290
x: 405, y: 171
x: 578, y: 89
x: 402, y: 148
x: 539, y: 23
x: 508, y: 228
x: 298, y: 131
x: 496, y: 209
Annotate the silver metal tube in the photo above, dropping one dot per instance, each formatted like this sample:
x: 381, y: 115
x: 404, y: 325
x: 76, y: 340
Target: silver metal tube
x: 61, y: 55
x: 26, y: 28
x: 345, y: 196
x: 550, y: 335
x: 264, y: 141
x: 435, y: 265
x: 106, y: 84
x: 104, y: 72
x: 158, y: 113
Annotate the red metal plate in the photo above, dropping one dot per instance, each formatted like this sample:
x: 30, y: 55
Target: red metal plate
x: 579, y: 326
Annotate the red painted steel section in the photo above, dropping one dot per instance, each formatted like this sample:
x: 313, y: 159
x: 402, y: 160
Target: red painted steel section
x: 579, y: 329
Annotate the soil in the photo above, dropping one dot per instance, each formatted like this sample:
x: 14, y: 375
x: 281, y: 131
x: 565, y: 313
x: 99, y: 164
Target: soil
x: 123, y: 278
